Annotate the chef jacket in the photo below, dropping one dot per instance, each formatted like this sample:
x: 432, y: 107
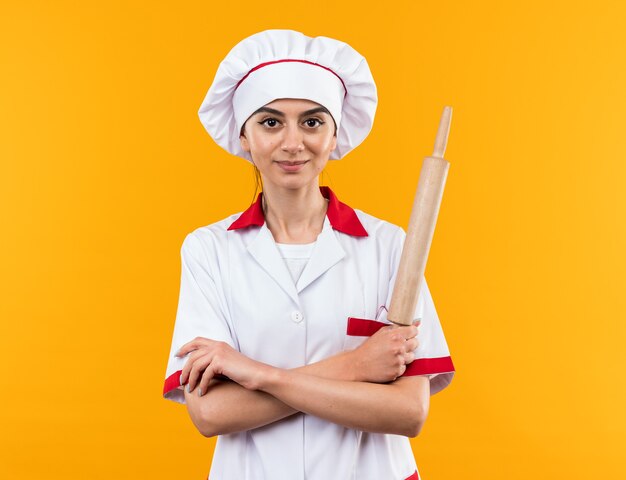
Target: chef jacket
x: 236, y: 288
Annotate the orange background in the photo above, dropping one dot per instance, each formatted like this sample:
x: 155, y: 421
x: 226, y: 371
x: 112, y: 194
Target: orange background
x: 105, y: 168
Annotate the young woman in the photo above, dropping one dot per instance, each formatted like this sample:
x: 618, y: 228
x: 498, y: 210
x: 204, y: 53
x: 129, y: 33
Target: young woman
x: 281, y: 344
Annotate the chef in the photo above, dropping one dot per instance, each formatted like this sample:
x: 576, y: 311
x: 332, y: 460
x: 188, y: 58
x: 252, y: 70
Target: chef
x: 281, y: 345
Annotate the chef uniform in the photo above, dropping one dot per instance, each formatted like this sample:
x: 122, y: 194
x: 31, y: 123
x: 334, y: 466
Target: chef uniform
x: 274, y: 305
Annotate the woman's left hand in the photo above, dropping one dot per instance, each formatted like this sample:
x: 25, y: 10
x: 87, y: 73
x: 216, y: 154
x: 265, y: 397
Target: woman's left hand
x: 211, y: 358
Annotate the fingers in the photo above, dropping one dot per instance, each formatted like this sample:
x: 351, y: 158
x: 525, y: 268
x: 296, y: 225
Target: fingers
x: 184, y: 376
x: 405, y: 338
x: 193, y: 345
x: 409, y: 331
x: 199, y: 366
x: 202, y: 366
x: 408, y: 358
x: 411, y: 344
x: 207, y: 376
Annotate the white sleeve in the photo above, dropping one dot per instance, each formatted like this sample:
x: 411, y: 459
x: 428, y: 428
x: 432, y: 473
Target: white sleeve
x: 202, y: 310
x: 432, y: 356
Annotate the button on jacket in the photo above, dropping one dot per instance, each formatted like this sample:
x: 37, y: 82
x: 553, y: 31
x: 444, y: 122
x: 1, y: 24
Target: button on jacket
x: 236, y: 288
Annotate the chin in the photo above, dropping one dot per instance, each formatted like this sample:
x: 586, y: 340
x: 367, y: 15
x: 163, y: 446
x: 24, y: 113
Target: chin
x: 293, y: 182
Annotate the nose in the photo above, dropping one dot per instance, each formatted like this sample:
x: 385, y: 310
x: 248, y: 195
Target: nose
x: 293, y: 140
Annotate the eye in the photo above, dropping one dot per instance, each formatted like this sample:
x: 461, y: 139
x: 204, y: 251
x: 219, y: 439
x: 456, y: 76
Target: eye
x: 313, y: 122
x: 269, y: 122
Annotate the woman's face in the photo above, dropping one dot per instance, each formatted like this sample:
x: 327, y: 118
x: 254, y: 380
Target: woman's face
x: 290, y: 141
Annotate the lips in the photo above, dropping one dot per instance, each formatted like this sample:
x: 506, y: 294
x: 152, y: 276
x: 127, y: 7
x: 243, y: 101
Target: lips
x: 293, y: 166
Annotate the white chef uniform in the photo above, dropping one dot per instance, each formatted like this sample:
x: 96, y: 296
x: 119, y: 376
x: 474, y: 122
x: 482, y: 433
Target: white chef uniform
x: 235, y: 287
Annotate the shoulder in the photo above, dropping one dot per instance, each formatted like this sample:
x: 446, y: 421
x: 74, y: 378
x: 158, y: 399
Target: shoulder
x: 209, y: 238
x: 379, y: 230
x: 217, y: 229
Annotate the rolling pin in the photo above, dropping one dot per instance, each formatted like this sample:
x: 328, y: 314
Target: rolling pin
x: 430, y: 185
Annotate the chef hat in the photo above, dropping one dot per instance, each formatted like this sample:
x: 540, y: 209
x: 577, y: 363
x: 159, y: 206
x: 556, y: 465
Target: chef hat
x: 277, y: 64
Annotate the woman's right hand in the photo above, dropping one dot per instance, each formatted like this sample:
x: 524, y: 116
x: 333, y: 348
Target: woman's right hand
x: 383, y: 357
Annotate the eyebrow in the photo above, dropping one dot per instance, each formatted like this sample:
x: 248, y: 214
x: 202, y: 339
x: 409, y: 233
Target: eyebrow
x: 278, y: 113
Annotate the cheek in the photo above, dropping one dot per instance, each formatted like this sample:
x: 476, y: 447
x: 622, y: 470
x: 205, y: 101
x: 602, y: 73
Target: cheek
x: 321, y: 165
x: 325, y: 144
x: 263, y: 145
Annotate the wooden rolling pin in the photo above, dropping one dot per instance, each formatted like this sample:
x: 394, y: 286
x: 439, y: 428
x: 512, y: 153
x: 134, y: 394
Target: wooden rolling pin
x: 419, y: 235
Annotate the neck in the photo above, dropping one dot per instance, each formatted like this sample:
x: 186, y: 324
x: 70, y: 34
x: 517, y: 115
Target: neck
x: 294, y: 216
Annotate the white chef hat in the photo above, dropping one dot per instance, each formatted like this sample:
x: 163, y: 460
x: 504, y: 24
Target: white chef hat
x: 277, y: 64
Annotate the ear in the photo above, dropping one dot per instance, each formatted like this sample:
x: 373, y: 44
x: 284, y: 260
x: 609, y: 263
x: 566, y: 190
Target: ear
x: 333, y: 143
x: 245, y: 145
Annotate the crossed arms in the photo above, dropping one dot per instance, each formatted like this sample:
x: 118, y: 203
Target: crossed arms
x: 360, y: 389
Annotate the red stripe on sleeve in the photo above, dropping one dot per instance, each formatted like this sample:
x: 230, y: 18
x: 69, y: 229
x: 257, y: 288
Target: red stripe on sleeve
x: 360, y: 327
x: 172, y: 382
x: 427, y: 366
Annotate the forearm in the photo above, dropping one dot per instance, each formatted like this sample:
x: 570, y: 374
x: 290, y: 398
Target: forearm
x: 384, y: 408
x: 227, y: 407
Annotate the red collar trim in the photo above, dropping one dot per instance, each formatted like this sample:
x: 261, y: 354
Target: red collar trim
x: 341, y: 216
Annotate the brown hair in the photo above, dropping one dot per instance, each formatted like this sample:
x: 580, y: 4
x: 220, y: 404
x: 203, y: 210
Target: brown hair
x: 258, y: 182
